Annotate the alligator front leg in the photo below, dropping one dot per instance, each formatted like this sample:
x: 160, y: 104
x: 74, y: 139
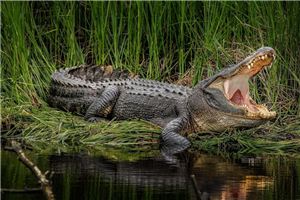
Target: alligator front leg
x: 106, y: 100
x: 172, y: 141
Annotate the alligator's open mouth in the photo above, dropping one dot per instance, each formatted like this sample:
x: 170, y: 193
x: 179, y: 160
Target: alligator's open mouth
x: 235, y: 85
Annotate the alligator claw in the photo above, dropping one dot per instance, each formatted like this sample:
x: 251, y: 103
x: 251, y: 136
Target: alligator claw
x: 169, y: 158
x: 172, y: 149
x: 173, y: 143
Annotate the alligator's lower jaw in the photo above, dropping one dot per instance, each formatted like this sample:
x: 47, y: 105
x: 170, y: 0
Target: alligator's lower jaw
x: 262, y: 113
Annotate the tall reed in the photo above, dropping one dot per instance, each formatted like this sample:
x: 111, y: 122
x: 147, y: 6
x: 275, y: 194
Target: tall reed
x: 159, y: 40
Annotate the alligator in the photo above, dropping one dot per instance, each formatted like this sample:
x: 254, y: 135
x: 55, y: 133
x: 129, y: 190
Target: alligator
x: 217, y: 103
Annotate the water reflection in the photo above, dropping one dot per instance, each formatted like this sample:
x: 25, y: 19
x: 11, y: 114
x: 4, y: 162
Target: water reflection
x: 231, y: 180
x: 86, y: 177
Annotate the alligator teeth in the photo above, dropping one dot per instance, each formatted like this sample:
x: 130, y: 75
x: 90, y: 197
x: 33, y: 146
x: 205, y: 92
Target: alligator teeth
x: 270, y: 66
x: 248, y: 66
x: 245, y: 106
x: 251, y: 64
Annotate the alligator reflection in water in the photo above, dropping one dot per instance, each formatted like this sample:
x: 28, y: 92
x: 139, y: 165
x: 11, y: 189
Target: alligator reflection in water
x: 144, y: 179
x: 155, y: 179
x: 85, y: 177
x: 145, y: 173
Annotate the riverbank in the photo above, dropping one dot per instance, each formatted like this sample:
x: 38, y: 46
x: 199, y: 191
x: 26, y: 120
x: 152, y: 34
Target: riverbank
x: 47, y: 130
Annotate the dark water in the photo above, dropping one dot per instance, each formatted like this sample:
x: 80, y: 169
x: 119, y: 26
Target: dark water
x: 93, y: 177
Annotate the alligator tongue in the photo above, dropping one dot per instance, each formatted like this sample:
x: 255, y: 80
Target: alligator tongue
x: 237, y: 98
x: 237, y: 89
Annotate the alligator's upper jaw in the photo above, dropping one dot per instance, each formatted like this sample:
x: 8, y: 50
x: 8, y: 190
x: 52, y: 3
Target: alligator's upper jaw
x: 234, y: 83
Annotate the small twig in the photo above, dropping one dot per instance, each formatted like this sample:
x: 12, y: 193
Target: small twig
x: 195, y: 185
x: 25, y: 190
x: 45, y: 184
x: 199, y: 194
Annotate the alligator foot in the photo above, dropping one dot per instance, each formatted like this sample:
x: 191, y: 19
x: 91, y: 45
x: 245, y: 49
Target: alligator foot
x: 173, y: 143
x: 168, y: 152
x: 170, y: 159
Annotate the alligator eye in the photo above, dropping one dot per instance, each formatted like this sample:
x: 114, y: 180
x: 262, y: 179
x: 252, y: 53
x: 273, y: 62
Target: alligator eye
x: 210, y: 96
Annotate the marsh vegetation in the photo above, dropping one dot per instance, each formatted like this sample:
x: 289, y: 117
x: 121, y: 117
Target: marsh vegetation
x: 181, y: 42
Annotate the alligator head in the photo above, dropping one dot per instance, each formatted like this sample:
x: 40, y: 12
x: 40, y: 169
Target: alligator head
x: 224, y: 101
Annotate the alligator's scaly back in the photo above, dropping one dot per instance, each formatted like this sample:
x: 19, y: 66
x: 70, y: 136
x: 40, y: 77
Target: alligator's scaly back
x: 98, y: 73
x: 88, y: 76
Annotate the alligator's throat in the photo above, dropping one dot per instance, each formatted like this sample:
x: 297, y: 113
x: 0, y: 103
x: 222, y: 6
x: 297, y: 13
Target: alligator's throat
x: 236, y: 90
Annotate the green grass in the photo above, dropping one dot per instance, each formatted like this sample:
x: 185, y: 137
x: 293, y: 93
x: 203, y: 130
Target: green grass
x: 185, y: 41
x: 52, y: 131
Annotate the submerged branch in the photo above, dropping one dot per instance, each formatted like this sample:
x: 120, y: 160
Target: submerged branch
x: 200, y: 195
x: 45, y: 183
